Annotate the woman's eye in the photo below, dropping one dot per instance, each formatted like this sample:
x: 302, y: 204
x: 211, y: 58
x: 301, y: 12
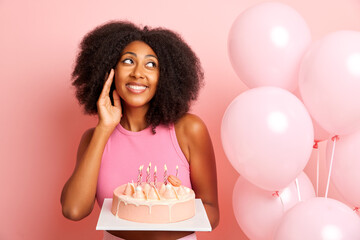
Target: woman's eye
x: 127, y: 61
x: 151, y: 64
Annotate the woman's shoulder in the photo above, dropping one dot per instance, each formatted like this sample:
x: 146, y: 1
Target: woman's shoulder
x: 190, y: 132
x: 190, y: 125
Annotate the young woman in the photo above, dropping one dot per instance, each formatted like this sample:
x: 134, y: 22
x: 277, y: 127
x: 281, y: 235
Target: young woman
x: 140, y: 82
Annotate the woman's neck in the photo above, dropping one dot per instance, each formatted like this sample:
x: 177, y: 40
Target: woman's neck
x: 133, y: 119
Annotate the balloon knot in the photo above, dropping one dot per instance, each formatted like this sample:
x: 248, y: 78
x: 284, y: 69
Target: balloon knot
x: 276, y: 194
x: 335, y: 137
x: 356, y: 209
x: 316, y: 145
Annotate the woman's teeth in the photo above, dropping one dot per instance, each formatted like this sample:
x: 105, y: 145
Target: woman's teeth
x: 137, y: 87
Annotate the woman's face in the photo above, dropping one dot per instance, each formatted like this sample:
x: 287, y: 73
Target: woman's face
x: 137, y: 74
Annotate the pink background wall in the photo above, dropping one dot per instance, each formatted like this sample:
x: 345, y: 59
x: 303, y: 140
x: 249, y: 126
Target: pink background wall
x: 41, y: 122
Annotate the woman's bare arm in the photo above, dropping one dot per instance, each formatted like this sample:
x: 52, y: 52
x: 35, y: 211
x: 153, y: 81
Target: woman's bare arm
x: 78, y: 194
x: 196, y: 144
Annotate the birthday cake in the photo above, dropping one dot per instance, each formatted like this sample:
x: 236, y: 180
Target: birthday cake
x: 154, y: 202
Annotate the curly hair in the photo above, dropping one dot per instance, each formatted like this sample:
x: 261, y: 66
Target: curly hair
x: 180, y: 78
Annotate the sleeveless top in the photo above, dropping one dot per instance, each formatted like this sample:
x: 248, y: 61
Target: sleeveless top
x: 126, y: 151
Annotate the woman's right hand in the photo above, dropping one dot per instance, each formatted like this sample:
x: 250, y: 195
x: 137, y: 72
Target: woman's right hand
x: 109, y: 115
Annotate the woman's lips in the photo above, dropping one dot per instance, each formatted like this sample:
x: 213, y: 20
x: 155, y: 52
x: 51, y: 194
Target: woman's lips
x: 136, y: 88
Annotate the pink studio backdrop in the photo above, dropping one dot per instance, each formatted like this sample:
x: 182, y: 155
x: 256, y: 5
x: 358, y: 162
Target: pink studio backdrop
x: 41, y: 122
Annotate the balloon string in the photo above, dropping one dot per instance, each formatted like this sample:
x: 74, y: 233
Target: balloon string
x: 282, y: 203
x: 317, y: 171
x: 331, y: 163
x: 298, y: 189
x: 276, y: 194
x: 316, y: 147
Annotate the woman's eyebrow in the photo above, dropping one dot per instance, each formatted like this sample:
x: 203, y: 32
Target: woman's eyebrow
x: 134, y: 54
x: 150, y: 55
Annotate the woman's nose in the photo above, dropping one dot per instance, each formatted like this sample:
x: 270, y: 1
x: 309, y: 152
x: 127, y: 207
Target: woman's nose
x: 137, y: 72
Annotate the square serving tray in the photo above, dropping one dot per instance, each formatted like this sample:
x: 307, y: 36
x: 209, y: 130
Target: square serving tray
x: 107, y: 221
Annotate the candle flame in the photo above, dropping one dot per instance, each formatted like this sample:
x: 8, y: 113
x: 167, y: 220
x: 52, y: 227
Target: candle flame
x: 165, y: 167
x: 155, y: 169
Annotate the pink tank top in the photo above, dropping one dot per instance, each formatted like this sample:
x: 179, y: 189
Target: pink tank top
x: 126, y: 151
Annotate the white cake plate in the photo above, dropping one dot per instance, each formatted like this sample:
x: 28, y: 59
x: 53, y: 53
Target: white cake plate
x: 107, y: 221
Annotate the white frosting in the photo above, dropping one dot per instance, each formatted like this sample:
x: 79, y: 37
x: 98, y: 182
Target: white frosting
x: 129, y: 199
x: 186, y: 195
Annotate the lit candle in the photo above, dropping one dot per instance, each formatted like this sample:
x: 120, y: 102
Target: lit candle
x: 155, y: 176
x: 149, y: 167
x: 148, y: 175
x: 142, y: 166
x: 177, y: 171
x: 140, y: 175
x: 165, y: 174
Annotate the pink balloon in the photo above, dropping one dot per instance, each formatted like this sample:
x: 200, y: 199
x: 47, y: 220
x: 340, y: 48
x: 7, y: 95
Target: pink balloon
x: 267, y: 136
x: 329, y: 82
x: 320, y: 134
x: 319, y: 219
x: 345, y: 173
x: 266, y: 43
x: 258, y: 212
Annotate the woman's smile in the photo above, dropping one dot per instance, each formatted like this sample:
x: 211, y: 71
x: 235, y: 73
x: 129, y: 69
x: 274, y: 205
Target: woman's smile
x: 136, y: 88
